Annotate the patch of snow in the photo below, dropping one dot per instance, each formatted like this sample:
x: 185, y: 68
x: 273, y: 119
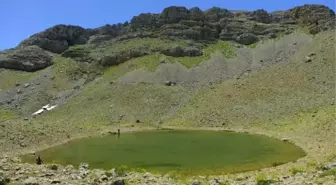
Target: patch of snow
x: 44, y: 108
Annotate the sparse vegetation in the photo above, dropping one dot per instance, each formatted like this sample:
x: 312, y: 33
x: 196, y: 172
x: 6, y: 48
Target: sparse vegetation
x: 13, y: 77
x: 296, y: 170
x: 329, y: 172
x: 121, y: 170
x: 6, y: 114
x: 262, y: 179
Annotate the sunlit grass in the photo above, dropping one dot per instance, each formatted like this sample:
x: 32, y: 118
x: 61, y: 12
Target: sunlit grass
x: 11, y: 77
x: 6, y: 114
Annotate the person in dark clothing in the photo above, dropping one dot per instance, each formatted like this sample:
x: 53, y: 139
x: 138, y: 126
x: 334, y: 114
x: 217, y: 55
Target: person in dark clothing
x: 39, y: 160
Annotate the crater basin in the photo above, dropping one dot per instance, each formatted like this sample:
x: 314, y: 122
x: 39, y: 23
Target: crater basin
x: 185, y: 152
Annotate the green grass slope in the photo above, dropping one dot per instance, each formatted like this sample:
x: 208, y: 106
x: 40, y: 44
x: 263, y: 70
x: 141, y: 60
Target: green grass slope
x: 287, y: 97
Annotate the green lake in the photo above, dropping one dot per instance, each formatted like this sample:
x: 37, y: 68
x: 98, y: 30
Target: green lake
x: 185, y: 152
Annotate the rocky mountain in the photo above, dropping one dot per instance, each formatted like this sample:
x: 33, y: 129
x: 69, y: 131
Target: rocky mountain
x: 269, y: 73
x: 174, y: 23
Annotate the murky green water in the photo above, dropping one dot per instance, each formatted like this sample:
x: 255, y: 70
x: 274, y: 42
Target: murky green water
x: 189, y: 152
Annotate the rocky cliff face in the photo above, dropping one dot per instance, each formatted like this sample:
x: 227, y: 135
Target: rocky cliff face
x: 30, y: 58
x: 175, y: 22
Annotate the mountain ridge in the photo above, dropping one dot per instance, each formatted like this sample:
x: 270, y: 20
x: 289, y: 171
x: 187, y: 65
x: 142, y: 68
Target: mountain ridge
x: 173, y: 23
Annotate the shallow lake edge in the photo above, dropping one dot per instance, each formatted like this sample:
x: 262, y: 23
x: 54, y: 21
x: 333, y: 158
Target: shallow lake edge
x: 154, y: 129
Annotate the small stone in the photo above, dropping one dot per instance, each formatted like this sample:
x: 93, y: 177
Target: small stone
x: 104, y: 178
x: 311, y: 54
x: 84, y: 166
x: 38, y: 83
x: 118, y: 182
x: 329, y: 166
x: 18, y: 91
x: 146, y: 175
x: 285, y: 139
x: 196, y: 182
x: 53, y: 167
x: 56, y: 181
x: 4, y: 181
x: 52, y: 78
x: 17, y: 84
x: 26, y: 85
x: 111, y: 82
x: 30, y: 181
x: 168, y: 83
x: 307, y: 59
x: 23, y: 144
x: 138, y: 121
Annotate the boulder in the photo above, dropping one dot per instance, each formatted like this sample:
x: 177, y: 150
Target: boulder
x: 168, y: 83
x: 308, y: 14
x: 118, y: 182
x: 316, y: 17
x: 58, y: 38
x: 174, y: 14
x: 175, y: 51
x: 307, y: 59
x: 109, y: 60
x: 261, y: 16
x: 97, y: 39
x: 145, y: 20
x: 330, y: 166
x: 215, y: 14
x: 196, y: 14
x: 192, y: 52
x: 30, y: 58
x: 4, y: 181
x: 179, y: 51
x: 278, y: 16
x: 196, y: 182
x: 78, y: 53
x: 111, y: 30
x: 247, y: 38
x: 84, y: 166
x: 53, y: 167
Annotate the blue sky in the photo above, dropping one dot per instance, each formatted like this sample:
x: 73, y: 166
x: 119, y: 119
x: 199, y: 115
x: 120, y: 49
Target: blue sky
x: 22, y: 18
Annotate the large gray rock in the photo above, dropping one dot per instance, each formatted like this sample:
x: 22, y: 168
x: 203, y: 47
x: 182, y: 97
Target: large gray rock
x: 247, y: 38
x: 30, y: 58
x: 215, y: 14
x: 118, y: 182
x: 113, y: 30
x: 308, y: 14
x: 4, y: 181
x: 261, y: 16
x: 145, y: 20
x: 196, y: 14
x: 317, y: 17
x: 178, y: 51
x: 185, y: 32
x: 78, y: 53
x: 174, y: 14
x: 58, y: 38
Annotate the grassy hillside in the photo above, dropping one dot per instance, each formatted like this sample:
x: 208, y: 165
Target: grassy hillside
x: 284, y: 97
